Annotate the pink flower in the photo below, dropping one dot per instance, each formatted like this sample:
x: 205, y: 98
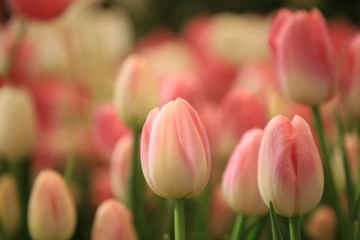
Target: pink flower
x: 239, y: 111
x: 175, y: 155
x: 120, y: 167
x: 304, y: 56
x: 42, y: 10
x: 351, y: 79
x: 217, y: 74
x: 113, y: 221
x: 136, y: 91
x: 107, y: 129
x: 51, y: 209
x: 290, y: 171
x: 322, y: 224
x: 240, y: 181
x: 184, y: 85
x: 100, y: 186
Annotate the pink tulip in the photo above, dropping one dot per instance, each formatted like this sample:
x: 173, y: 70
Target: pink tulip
x: 240, y: 181
x: 304, y: 56
x: 217, y: 75
x: 184, y: 85
x: 51, y: 209
x: 42, y: 10
x: 18, y: 126
x: 107, y: 129
x: 100, y: 186
x: 120, y: 167
x: 239, y: 111
x: 113, y: 221
x: 290, y: 171
x: 351, y: 83
x: 175, y: 155
x: 136, y: 91
x: 322, y: 224
x: 220, y: 215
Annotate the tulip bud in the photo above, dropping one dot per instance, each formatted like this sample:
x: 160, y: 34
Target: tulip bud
x: 175, y: 155
x: 184, y: 85
x: 304, y: 56
x: 322, y: 224
x: 120, y: 167
x: 351, y: 83
x: 9, y: 205
x: 113, y: 221
x: 40, y: 9
x: 240, y: 184
x: 17, y: 123
x: 107, y: 129
x: 290, y: 171
x: 136, y: 91
x: 238, y: 106
x: 51, y: 213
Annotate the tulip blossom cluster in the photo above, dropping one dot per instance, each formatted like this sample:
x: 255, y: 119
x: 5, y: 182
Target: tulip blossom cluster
x: 223, y: 126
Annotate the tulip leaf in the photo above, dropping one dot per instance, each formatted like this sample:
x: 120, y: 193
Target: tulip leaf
x: 354, y: 232
x: 276, y: 233
x: 356, y: 208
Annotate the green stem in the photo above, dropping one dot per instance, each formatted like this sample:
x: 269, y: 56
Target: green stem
x: 136, y: 187
x: 18, y: 39
x: 345, y: 161
x: 238, y: 227
x: 69, y: 169
x: 294, y: 226
x: 3, y: 235
x: 20, y: 171
x: 202, y: 214
x: 179, y: 219
x: 330, y: 190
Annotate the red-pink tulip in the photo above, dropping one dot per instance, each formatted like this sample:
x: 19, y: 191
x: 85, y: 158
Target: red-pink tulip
x: 120, y: 167
x: 175, y: 155
x: 40, y: 9
x: 304, y: 56
x: 290, y: 171
x: 240, y: 182
x: 351, y: 81
x: 184, y: 85
x: 51, y: 209
x: 113, y: 221
x: 239, y: 111
x: 107, y: 129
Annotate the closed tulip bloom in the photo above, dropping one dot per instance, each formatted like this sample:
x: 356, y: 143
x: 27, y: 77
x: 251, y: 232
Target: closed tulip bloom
x: 40, y: 9
x: 351, y: 81
x: 120, y: 167
x: 136, y: 91
x: 240, y: 184
x: 238, y: 106
x: 113, y: 221
x: 175, y: 155
x: 304, y: 56
x: 290, y: 171
x: 9, y: 205
x: 17, y: 123
x: 51, y: 212
x: 107, y: 129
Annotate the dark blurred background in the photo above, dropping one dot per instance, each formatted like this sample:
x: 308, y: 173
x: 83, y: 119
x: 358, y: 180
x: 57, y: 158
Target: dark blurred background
x: 147, y: 14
